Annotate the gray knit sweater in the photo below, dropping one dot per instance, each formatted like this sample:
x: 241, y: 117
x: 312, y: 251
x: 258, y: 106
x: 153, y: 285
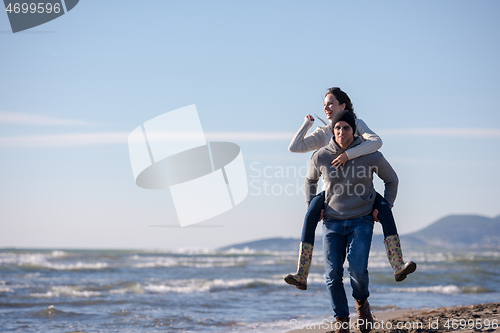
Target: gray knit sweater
x: 349, y: 191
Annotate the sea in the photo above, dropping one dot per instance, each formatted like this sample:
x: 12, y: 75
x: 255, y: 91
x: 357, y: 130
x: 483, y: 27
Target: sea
x: 203, y: 290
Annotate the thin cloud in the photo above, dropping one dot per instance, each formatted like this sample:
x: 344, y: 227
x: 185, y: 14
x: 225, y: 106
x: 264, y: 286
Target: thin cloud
x: 249, y: 136
x: 21, y: 118
x: 63, y: 140
x: 111, y: 138
x: 482, y: 133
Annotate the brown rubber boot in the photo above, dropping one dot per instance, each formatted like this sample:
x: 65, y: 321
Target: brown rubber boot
x: 395, y: 257
x: 365, y: 318
x: 341, y: 325
x: 299, y: 279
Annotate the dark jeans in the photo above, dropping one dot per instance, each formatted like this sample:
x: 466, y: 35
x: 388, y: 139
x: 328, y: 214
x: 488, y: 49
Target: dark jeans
x: 318, y: 203
x: 351, y: 240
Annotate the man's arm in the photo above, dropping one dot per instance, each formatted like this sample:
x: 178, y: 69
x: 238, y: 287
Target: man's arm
x: 312, y: 177
x: 385, y: 171
x: 371, y: 141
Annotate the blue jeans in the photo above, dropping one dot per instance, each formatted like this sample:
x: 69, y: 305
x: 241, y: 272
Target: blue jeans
x: 318, y: 203
x: 349, y: 239
x: 385, y: 216
x: 312, y: 218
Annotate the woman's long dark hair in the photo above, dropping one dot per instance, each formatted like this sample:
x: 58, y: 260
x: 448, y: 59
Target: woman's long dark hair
x: 342, y: 98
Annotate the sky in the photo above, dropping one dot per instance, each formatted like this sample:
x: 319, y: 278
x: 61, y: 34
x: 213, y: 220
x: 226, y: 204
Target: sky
x: 424, y: 75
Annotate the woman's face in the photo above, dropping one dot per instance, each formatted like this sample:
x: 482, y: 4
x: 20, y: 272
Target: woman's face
x: 332, y: 106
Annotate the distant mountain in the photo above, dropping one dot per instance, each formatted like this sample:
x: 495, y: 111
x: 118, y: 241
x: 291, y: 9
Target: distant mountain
x: 460, y: 231
x: 451, y: 232
x: 268, y: 244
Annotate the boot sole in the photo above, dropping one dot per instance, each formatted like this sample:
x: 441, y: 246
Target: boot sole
x: 297, y: 284
x: 366, y: 330
x: 408, y: 270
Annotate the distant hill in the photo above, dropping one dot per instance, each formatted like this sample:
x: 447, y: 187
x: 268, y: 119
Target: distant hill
x: 459, y: 231
x: 450, y: 232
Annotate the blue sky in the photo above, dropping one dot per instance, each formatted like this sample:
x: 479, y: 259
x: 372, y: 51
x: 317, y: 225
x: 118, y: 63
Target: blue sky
x: 424, y: 75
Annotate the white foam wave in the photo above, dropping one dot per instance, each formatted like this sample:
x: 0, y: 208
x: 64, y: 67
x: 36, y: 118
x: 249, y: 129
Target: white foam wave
x: 444, y: 289
x: 21, y: 258
x: 434, y: 257
x: 197, y: 262
x: 378, y: 264
x: 316, y: 278
x: 58, y: 291
x: 246, y: 250
x: 59, y: 254
x: 45, y: 260
x: 4, y: 289
x: 134, y: 288
x: 30, y: 276
x: 189, y: 251
x: 450, y: 289
x: 76, y: 266
x: 200, y: 285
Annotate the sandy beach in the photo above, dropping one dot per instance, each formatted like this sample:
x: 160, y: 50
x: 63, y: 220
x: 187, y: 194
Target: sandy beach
x: 473, y: 318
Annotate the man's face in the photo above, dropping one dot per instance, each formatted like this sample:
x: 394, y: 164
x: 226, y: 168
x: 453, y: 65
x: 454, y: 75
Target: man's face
x: 343, y: 134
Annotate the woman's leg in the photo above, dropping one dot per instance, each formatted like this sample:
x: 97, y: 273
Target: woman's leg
x: 391, y: 240
x: 299, y: 279
x: 312, y: 218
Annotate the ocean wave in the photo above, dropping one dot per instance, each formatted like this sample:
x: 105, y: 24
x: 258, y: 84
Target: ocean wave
x: 312, y: 278
x: 216, y: 261
x: 4, y: 289
x: 452, y: 257
x: 251, y: 252
x: 69, y: 267
x: 442, y: 289
x: 200, y: 285
x: 59, y: 254
x: 31, y: 276
x: 51, y: 311
x: 214, y: 252
x: 196, y: 262
x: 12, y: 258
x: 206, y: 252
x: 21, y: 258
x: 378, y: 264
x: 58, y: 291
x: 46, y: 261
x: 245, y: 250
x: 134, y: 288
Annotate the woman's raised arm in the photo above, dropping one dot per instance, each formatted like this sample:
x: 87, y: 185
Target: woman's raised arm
x: 302, y: 143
